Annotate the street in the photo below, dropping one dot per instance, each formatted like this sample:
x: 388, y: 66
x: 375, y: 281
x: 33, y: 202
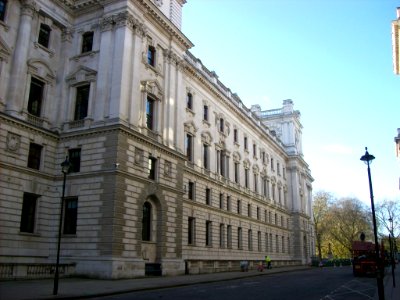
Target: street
x: 325, y: 283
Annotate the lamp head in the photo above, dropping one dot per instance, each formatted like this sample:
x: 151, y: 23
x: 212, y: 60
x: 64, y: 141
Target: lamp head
x: 65, y: 165
x: 367, y: 158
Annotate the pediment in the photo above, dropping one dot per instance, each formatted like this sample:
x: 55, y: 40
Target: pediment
x: 41, y: 69
x: 152, y: 87
x: 190, y: 127
x: 81, y: 74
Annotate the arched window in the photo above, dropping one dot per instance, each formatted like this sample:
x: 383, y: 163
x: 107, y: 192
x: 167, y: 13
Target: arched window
x: 146, y: 222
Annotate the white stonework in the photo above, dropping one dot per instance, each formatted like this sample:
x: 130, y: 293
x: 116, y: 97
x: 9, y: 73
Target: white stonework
x: 113, y: 85
x: 396, y: 43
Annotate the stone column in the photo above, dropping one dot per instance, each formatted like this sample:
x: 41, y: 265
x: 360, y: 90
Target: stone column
x: 16, y: 87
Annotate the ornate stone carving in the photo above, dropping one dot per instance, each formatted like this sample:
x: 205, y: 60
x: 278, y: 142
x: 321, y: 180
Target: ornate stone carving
x: 13, y: 142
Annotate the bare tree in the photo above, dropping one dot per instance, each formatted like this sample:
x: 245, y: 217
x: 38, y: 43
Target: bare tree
x: 385, y: 211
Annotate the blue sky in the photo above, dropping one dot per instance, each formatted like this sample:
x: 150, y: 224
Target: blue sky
x: 333, y: 58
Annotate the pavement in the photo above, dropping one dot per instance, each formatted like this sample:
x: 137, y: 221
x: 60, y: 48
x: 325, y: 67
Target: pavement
x: 81, y: 288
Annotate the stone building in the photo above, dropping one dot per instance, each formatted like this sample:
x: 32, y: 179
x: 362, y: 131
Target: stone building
x: 396, y: 43
x: 170, y: 172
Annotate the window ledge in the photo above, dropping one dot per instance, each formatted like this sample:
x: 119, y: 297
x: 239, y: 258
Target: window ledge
x: 34, y: 234
x: 51, y: 52
x: 190, y: 112
x: 84, y: 54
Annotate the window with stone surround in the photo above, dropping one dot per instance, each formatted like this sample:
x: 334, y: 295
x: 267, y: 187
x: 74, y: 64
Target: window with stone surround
x: 208, y: 233
x: 35, y: 97
x: 152, y: 167
x: 75, y: 160
x: 240, y: 238
x: 191, y: 191
x: 146, y: 221
x: 259, y: 247
x: 44, y: 35
x: 87, y: 41
x: 151, y: 56
x: 82, y: 102
x: 221, y: 200
x: 250, y: 240
x: 28, y: 213
x: 222, y: 235
x: 189, y: 101
x: 150, y: 113
x: 208, y: 196
x: 229, y: 236
x: 3, y: 7
x: 189, y: 147
x: 34, y: 156
x: 206, y: 160
x: 191, y: 230
x: 205, y: 112
x: 235, y: 135
x: 70, y: 215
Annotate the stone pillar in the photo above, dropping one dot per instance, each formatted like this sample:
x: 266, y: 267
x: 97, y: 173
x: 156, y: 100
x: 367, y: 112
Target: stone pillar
x: 15, y: 97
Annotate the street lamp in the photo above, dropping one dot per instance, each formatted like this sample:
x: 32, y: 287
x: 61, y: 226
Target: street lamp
x: 368, y: 158
x: 64, y: 168
x: 391, y: 243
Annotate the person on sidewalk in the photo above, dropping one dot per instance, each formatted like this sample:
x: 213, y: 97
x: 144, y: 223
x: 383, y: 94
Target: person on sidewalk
x: 268, y: 262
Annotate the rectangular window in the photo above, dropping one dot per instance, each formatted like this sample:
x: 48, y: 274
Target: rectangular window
x: 205, y: 156
x: 259, y: 241
x: 236, y: 172
x: 3, y: 4
x: 235, y: 135
x: 28, y: 214
x: 191, y: 230
x: 263, y: 156
x: 229, y: 236
x: 245, y: 142
x: 82, y: 102
x: 258, y: 213
x: 255, y: 183
x: 208, y: 196
x: 150, y: 103
x: 221, y: 201
x: 35, y: 97
x: 246, y: 178
x: 249, y: 210
x: 239, y: 207
x: 151, y: 56
x: 71, y: 215
x: 221, y: 125
x: 87, y: 41
x: 191, y: 190
x: 189, y: 101
x: 221, y: 235
x: 189, y: 147
x: 250, y: 240
x: 152, y: 167
x: 205, y: 113
x: 208, y: 233
x: 44, y: 35
x: 240, y: 240
x: 266, y: 243
x: 75, y: 160
x: 34, y: 157
x: 272, y: 165
x: 277, y: 244
x: 228, y: 203
x: 278, y: 168
x: 254, y: 150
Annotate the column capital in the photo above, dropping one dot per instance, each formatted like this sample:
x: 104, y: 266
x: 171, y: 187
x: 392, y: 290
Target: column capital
x: 28, y: 7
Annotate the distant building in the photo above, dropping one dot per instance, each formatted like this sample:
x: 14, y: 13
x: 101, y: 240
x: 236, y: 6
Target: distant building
x: 396, y: 43
x: 170, y: 171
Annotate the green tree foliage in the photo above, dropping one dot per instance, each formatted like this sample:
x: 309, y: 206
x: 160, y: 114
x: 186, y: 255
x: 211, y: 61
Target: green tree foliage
x: 321, y: 204
x: 349, y: 217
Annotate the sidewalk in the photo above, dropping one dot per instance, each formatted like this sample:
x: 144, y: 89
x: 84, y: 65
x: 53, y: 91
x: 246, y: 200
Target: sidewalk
x: 391, y: 293
x: 79, y: 288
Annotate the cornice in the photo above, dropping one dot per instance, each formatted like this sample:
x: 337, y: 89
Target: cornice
x: 151, y: 11
x: 191, y: 70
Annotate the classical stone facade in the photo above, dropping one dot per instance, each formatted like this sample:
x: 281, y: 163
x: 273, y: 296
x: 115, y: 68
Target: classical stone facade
x: 396, y: 43
x: 170, y: 172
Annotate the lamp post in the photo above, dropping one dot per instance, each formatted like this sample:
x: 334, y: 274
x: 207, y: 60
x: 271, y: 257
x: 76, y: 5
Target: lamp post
x: 64, y: 168
x: 391, y: 242
x: 368, y: 158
